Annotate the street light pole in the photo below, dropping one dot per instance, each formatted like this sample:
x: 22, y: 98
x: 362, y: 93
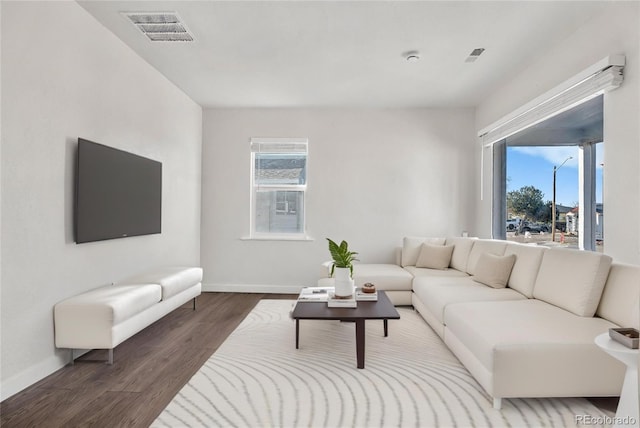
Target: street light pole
x: 553, y: 204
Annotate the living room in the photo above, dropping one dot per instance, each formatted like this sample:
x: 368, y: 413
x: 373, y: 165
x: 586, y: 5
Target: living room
x: 376, y: 172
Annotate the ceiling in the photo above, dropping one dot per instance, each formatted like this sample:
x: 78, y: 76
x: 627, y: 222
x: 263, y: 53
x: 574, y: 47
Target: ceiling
x: 347, y: 53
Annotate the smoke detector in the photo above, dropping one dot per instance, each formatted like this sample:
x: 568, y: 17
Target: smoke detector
x: 412, y: 56
x: 160, y: 26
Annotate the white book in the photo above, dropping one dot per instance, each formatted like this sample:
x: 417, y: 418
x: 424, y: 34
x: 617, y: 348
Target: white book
x: 333, y: 302
x: 369, y: 297
x: 315, y: 294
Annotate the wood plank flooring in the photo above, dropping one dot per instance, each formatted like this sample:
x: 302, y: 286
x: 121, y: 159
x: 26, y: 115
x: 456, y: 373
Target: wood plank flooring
x: 148, y: 370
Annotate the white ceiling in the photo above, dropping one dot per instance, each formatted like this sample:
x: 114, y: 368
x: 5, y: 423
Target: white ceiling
x: 347, y: 53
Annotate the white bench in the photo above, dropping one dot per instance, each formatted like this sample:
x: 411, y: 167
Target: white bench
x: 104, y: 317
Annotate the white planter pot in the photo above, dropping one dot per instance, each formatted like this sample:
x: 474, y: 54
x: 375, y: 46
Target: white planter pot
x: 343, y: 282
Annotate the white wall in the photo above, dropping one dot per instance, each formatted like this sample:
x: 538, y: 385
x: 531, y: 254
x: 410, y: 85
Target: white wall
x: 66, y: 76
x: 374, y: 176
x: 616, y: 31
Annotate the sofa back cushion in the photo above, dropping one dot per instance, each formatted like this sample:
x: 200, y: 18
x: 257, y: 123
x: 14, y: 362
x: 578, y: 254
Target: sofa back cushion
x: 461, y: 249
x: 525, y: 270
x: 621, y: 296
x: 572, y: 280
x: 482, y: 246
x: 411, y: 246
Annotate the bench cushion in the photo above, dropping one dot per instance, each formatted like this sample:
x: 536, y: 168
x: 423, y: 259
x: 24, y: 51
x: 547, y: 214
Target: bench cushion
x: 173, y: 280
x: 110, y: 305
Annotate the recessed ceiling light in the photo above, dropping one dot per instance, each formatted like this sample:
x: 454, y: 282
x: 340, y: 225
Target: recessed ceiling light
x: 412, y: 56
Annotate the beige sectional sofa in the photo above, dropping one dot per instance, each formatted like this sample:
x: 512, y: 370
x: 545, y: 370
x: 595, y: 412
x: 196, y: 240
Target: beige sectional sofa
x: 531, y: 332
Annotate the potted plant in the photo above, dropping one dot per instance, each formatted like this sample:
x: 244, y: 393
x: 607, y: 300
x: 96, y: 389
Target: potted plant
x: 342, y: 267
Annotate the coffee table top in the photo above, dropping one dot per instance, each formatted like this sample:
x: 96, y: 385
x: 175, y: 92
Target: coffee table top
x: 381, y: 309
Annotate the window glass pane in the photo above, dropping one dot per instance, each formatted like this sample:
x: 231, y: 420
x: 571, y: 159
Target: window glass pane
x: 599, y: 228
x: 280, y: 169
x: 531, y: 174
x: 279, y: 211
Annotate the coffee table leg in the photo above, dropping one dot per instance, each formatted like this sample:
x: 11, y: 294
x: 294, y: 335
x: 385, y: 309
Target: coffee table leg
x: 386, y: 328
x: 360, y: 343
x: 297, y: 332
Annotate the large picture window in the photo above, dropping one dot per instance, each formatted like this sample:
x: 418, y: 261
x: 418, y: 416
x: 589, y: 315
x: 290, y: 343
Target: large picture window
x: 548, y: 181
x: 278, y: 187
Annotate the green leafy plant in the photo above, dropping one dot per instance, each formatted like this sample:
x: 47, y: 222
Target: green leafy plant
x: 342, y: 257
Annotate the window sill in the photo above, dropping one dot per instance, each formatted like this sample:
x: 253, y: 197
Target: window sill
x: 277, y: 238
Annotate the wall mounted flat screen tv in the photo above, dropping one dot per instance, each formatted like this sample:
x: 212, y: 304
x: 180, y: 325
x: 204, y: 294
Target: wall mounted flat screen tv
x: 118, y: 194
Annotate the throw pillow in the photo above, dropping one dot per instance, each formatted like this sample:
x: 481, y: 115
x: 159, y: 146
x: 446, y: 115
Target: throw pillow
x: 411, y: 248
x: 434, y: 256
x: 493, y: 270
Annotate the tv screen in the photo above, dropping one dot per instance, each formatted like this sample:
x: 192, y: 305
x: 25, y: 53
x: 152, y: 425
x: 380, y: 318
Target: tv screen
x: 118, y: 194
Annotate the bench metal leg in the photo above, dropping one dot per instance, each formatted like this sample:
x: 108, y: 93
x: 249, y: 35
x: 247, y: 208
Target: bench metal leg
x: 110, y: 362
x: 71, y: 355
x: 194, y: 303
x: 497, y: 403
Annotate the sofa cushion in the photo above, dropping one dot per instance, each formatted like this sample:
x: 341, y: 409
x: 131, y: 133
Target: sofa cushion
x: 434, y: 256
x: 411, y: 246
x: 493, y: 270
x: 419, y: 272
x: 572, y: 279
x: 172, y: 279
x: 461, y: 249
x: 620, y: 298
x: 482, y: 246
x: 437, y: 293
x: 384, y: 276
x: 525, y: 269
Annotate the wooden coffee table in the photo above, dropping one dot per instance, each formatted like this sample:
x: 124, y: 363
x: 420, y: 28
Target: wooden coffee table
x: 382, y: 309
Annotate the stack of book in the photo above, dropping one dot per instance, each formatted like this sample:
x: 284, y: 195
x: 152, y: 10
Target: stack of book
x: 315, y: 294
x: 366, y: 297
x: 335, y: 302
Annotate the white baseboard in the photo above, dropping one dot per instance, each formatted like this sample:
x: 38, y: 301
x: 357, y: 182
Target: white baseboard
x: 252, y: 288
x: 33, y: 374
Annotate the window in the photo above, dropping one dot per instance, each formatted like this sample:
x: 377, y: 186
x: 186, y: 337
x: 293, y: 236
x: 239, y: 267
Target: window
x: 569, y: 115
x: 548, y: 181
x: 278, y: 188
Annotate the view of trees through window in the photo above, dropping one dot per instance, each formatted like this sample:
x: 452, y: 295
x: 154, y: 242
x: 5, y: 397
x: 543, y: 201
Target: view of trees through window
x: 532, y: 172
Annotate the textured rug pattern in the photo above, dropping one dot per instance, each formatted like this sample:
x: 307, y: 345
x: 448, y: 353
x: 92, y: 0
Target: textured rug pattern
x: 258, y: 379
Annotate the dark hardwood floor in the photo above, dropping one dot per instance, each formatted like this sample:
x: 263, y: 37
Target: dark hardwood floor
x: 148, y: 370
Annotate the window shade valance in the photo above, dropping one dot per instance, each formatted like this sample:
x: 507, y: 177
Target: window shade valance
x: 279, y: 145
x: 602, y: 77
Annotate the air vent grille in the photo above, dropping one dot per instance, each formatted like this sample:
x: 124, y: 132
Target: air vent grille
x: 474, y: 55
x: 160, y: 26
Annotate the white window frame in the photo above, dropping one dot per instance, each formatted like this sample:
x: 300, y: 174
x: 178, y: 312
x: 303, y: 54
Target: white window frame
x: 278, y: 145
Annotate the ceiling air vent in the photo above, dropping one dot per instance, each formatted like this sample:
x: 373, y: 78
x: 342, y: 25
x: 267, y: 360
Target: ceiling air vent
x: 160, y: 26
x: 474, y: 55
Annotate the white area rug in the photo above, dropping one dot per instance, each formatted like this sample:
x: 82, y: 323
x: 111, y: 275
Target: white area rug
x: 258, y: 379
